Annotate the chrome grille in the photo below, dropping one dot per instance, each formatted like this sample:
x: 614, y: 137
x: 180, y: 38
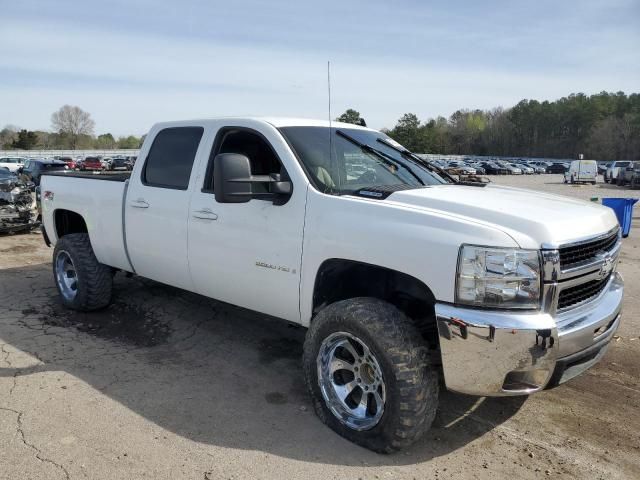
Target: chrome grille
x: 581, y: 293
x: 584, y: 252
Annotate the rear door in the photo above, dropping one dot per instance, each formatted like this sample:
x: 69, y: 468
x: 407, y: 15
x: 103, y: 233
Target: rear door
x: 157, y: 205
x: 589, y: 170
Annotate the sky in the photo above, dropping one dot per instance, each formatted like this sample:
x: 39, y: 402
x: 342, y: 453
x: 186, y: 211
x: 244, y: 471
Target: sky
x: 131, y: 63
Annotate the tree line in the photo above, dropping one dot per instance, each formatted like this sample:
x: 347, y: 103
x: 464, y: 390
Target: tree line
x: 71, y: 128
x: 604, y: 126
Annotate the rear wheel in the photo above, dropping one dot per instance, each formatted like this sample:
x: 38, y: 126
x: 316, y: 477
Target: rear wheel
x: 83, y: 283
x: 367, y: 369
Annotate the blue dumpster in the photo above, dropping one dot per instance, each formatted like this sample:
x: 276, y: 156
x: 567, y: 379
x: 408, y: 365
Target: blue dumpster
x: 624, y: 211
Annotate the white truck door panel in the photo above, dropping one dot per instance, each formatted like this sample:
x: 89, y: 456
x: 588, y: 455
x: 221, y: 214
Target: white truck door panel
x: 248, y: 254
x: 157, y: 206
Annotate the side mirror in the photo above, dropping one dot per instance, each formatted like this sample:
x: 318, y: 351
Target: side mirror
x: 233, y: 182
x: 231, y: 174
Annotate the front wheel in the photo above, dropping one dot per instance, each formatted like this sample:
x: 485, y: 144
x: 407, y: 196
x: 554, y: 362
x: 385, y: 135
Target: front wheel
x: 83, y: 283
x: 368, y: 372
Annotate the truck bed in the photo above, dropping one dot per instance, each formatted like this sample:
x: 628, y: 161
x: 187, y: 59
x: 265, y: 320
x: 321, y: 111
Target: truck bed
x: 100, y: 204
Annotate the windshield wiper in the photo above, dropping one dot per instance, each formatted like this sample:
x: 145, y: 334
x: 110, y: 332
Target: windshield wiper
x: 409, y: 154
x: 385, y: 157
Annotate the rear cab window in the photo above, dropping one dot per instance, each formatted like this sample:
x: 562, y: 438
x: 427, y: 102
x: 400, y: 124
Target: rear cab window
x: 171, y: 156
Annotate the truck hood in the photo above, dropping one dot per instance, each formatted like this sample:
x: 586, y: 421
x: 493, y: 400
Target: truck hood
x: 531, y: 218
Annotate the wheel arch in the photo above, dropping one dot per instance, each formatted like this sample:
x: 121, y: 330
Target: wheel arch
x: 340, y: 279
x: 67, y: 221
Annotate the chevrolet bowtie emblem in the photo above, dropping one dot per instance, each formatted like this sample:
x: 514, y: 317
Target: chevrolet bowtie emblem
x: 606, y: 268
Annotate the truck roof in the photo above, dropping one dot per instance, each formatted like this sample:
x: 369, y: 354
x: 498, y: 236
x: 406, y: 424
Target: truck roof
x: 274, y: 121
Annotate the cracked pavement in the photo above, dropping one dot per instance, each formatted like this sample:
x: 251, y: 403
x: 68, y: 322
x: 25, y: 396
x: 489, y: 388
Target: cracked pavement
x: 168, y: 384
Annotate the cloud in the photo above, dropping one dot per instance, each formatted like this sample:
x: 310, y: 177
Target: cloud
x: 131, y: 69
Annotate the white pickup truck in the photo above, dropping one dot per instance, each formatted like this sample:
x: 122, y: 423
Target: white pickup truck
x: 400, y: 273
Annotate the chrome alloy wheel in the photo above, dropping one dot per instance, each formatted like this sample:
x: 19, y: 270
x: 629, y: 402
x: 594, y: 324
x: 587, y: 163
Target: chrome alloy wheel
x: 351, y: 381
x: 66, y: 276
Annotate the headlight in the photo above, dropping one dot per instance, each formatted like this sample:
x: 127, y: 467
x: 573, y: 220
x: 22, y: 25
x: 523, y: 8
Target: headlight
x: 15, y: 191
x: 498, y: 277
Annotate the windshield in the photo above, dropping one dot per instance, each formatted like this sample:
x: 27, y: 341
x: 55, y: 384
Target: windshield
x: 339, y: 166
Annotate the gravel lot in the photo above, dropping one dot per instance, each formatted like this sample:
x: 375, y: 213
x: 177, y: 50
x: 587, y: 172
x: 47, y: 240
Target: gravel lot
x: 167, y: 384
x: 555, y: 184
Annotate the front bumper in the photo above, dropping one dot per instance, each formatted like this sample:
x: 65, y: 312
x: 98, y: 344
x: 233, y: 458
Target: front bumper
x: 496, y: 353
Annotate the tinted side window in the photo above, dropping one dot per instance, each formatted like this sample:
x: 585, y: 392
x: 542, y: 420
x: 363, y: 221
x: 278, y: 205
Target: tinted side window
x: 171, y: 157
x: 262, y: 158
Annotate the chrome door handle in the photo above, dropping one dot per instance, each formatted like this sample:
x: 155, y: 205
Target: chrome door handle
x: 205, y: 214
x: 139, y: 203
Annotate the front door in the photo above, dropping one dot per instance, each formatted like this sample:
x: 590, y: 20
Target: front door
x: 248, y: 254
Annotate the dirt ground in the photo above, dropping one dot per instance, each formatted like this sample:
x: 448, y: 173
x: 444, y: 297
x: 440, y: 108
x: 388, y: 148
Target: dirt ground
x: 166, y: 384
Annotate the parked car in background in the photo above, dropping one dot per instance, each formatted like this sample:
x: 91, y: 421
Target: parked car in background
x: 33, y: 169
x: 525, y: 168
x: 539, y: 165
x: 511, y: 169
x: 11, y: 163
x: 91, y: 163
x: 602, y: 167
x: 119, y: 163
x: 557, y: 167
x: 492, y: 168
x: 459, y: 168
x: 611, y: 175
x: 71, y: 163
x: 16, y: 203
x: 582, y: 171
x: 626, y: 175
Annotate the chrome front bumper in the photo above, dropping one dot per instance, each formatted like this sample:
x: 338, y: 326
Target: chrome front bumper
x: 495, y: 353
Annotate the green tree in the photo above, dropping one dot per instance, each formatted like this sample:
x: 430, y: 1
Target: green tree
x: 105, y: 141
x: 408, y: 133
x: 129, y: 142
x: 350, y: 116
x: 26, y: 140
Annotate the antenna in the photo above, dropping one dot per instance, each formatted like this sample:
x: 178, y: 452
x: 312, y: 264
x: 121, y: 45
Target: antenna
x: 329, y: 92
x: 330, y: 128
x: 329, y: 89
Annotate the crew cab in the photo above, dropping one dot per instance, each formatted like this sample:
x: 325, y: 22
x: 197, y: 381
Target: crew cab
x: 401, y: 274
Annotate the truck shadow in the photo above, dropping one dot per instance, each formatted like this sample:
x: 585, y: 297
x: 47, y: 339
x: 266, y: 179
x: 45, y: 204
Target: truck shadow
x: 204, y: 370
